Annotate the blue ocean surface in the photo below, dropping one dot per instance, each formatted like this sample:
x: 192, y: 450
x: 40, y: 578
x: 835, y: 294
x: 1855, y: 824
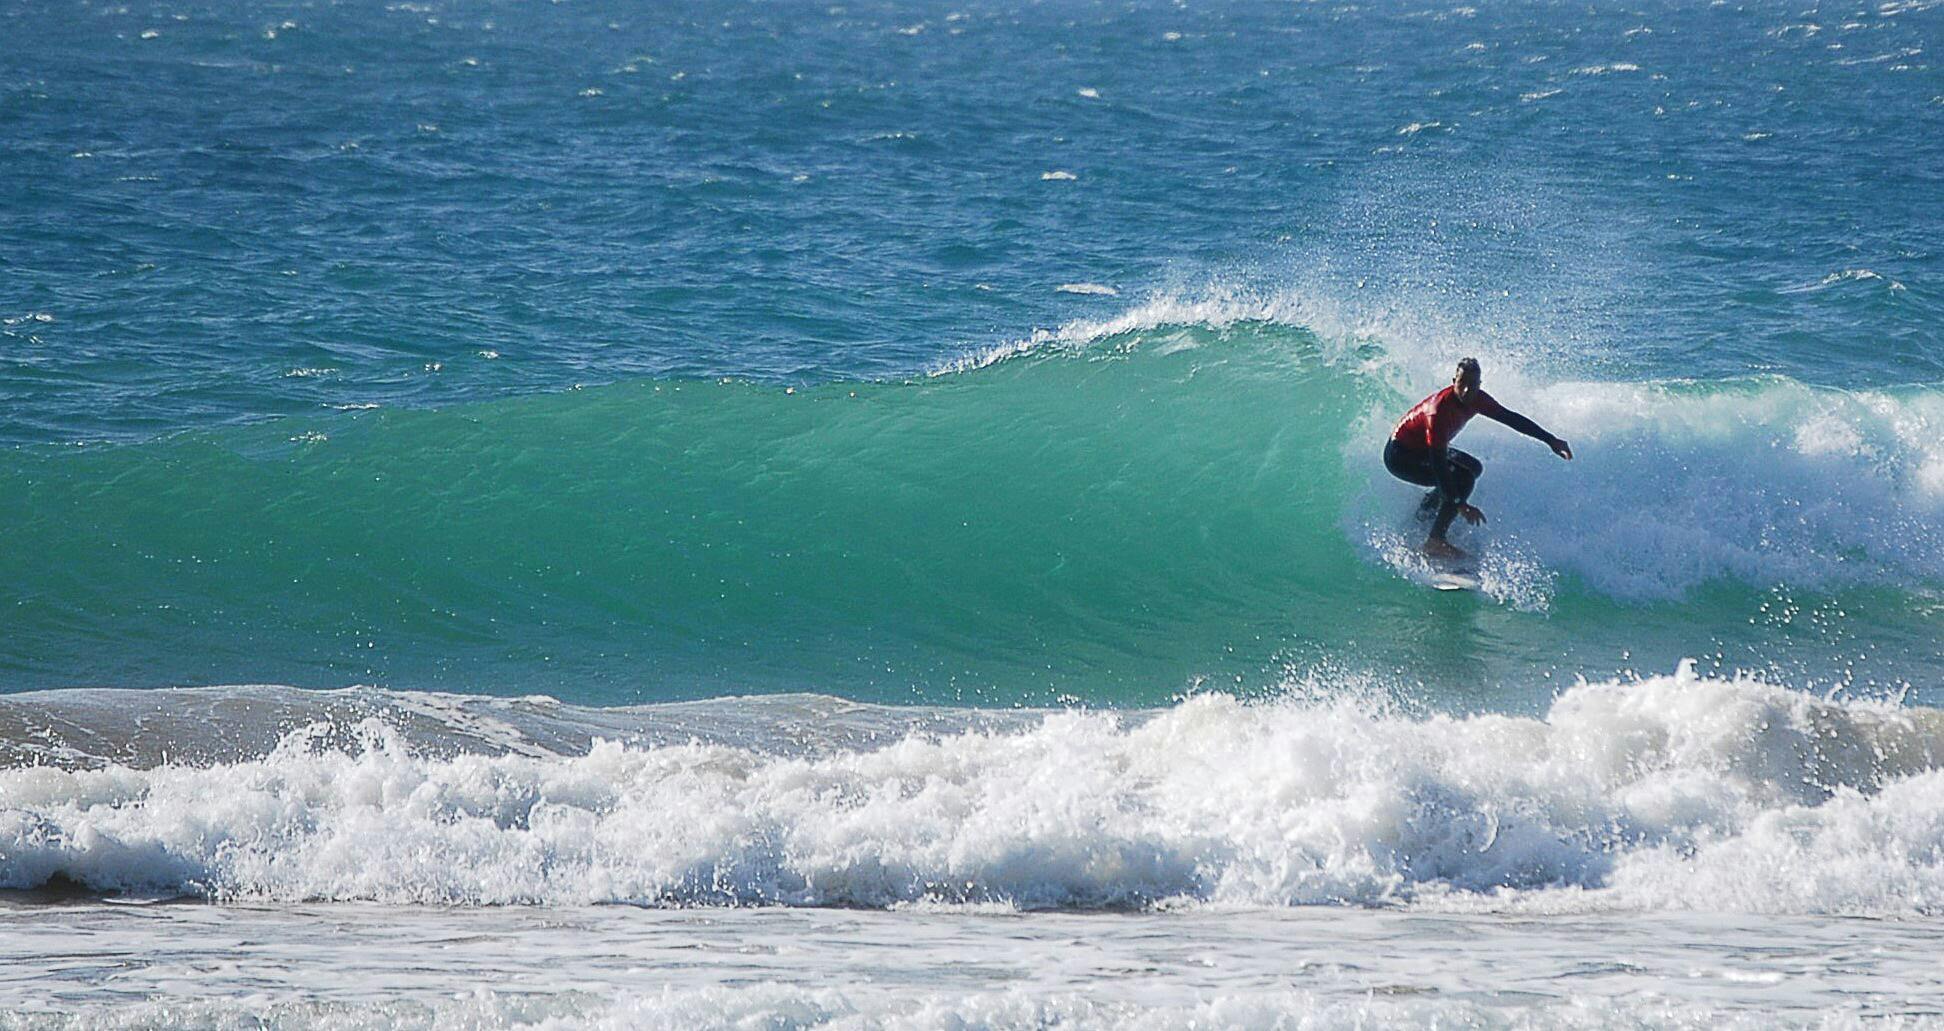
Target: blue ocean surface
x: 467, y: 465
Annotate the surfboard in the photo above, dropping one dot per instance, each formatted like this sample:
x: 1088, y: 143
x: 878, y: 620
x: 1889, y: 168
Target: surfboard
x: 1454, y: 579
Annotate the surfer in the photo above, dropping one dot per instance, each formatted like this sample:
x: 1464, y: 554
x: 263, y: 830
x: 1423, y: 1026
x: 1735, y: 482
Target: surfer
x: 1420, y: 452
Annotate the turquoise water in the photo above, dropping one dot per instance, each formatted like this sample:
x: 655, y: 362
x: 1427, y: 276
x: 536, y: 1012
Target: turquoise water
x: 1157, y: 511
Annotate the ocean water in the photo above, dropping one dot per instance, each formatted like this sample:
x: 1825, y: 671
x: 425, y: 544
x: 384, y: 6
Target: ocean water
x: 586, y: 514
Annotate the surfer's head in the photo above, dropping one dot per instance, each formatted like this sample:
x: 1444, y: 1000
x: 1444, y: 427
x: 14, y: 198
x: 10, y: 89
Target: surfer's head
x: 1465, y: 380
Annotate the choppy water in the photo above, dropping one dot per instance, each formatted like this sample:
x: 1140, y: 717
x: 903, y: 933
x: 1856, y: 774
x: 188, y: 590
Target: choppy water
x: 823, y: 477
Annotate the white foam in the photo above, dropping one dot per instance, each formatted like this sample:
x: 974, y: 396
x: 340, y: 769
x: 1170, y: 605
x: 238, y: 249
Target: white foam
x: 1506, y: 571
x: 1661, y: 794
x: 1215, y: 306
x: 1765, y: 482
x: 1848, y: 275
x: 865, y: 1008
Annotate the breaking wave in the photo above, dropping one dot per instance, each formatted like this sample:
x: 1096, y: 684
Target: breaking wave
x: 1171, y: 493
x: 1672, y: 792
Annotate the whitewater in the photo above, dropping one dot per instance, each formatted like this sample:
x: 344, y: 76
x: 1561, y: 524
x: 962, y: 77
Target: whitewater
x: 1672, y: 792
x: 1302, y: 861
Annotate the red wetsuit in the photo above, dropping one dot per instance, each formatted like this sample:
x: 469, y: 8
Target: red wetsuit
x: 1420, y: 450
x: 1435, y: 420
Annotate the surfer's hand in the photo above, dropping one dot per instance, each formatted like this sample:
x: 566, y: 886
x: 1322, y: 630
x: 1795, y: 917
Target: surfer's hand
x: 1561, y: 449
x: 1472, y: 514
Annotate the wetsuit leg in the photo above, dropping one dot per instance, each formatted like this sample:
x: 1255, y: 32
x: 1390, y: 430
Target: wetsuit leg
x: 1412, y: 465
x: 1415, y: 465
x: 1459, y: 473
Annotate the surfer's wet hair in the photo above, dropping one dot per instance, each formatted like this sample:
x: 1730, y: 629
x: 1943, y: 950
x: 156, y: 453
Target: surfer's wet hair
x: 1468, y: 369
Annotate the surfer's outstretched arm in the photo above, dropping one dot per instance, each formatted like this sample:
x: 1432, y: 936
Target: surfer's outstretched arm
x: 1508, y: 417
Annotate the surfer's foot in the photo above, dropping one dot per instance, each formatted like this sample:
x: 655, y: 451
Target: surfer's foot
x: 1438, y: 547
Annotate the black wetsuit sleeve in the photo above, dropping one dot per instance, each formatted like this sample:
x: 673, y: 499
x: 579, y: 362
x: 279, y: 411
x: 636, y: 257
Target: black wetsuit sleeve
x: 1524, y: 425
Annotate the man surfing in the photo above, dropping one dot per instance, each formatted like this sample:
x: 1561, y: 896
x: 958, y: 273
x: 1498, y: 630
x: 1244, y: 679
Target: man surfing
x: 1420, y: 452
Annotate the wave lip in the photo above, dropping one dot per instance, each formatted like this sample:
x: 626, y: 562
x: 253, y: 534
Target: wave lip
x: 1217, y: 308
x: 1659, y: 794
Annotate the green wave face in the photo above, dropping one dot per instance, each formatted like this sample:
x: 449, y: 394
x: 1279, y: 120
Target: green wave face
x: 1114, y: 524
x: 1049, y: 523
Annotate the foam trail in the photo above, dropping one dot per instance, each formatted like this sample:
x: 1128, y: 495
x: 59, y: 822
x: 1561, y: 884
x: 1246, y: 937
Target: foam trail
x: 1659, y: 794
